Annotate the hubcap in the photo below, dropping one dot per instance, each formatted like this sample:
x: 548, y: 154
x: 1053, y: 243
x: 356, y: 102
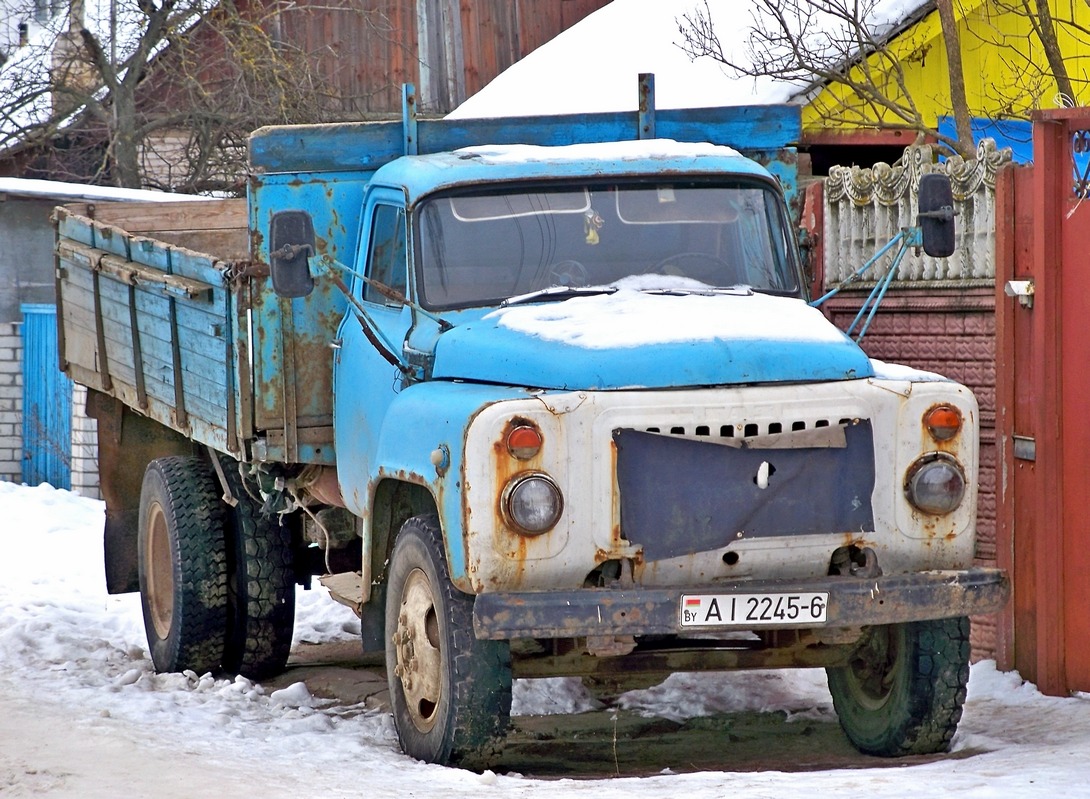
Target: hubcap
x: 875, y: 666
x: 419, y: 657
x: 159, y: 574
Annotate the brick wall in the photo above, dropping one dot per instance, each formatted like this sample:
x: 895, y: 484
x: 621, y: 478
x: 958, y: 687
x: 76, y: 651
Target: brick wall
x: 84, y: 447
x: 952, y: 333
x: 939, y: 314
x: 11, y: 402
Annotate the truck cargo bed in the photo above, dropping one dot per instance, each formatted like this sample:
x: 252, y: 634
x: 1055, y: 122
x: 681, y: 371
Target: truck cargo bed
x: 150, y: 321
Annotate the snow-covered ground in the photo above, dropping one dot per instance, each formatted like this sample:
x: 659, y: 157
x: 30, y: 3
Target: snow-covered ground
x: 82, y: 714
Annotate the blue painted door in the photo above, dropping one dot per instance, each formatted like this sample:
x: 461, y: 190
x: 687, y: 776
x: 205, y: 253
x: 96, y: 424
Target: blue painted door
x: 47, y: 402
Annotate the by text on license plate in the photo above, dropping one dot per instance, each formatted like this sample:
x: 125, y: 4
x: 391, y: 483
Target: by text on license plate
x: 716, y: 610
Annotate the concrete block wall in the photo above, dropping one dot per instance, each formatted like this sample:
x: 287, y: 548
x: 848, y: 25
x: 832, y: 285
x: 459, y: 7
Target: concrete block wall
x: 84, y: 447
x: 11, y: 402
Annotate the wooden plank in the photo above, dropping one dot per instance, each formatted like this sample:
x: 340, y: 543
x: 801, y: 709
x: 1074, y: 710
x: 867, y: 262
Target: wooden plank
x: 1006, y: 209
x: 231, y: 244
x: 1051, y: 167
x: 133, y: 273
x: 1073, y: 225
x: 202, y: 319
x: 151, y: 218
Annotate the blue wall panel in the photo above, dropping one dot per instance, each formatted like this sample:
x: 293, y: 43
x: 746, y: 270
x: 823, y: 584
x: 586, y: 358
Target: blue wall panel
x: 47, y: 402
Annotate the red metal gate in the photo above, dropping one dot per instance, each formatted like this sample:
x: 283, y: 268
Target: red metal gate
x: 1043, y: 404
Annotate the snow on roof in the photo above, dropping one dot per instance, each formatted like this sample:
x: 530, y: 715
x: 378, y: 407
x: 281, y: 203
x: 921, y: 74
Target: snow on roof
x: 593, y: 66
x: 626, y: 150
x: 60, y: 191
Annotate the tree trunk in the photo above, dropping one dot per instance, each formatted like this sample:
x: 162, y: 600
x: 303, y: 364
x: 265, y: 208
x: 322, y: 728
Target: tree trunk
x: 124, y: 147
x: 1046, y: 32
x: 962, y: 123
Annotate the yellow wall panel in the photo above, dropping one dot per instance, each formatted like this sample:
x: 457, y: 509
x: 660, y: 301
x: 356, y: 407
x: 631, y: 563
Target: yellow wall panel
x: 1006, y: 72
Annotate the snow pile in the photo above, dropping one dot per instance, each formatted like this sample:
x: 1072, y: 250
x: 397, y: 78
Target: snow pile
x: 620, y: 319
x: 86, y: 716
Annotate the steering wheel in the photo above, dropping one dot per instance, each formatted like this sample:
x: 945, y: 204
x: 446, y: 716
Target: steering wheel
x: 567, y: 273
x: 716, y: 268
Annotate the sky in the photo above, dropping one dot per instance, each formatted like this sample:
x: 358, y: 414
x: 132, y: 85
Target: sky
x: 84, y: 715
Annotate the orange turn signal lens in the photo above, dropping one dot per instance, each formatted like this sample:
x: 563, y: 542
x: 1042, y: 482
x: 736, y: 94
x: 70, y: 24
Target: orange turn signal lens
x: 524, y: 441
x: 943, y: 422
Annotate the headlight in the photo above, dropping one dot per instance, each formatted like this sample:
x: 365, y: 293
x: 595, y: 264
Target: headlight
x: 935, y: 484
x: 532, y: 503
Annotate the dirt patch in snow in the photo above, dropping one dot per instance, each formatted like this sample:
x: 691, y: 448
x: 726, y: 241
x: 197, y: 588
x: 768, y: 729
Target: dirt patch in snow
x: 612, y: 742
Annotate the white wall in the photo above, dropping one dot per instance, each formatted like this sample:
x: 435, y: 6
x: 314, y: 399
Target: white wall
x: 11, y: 402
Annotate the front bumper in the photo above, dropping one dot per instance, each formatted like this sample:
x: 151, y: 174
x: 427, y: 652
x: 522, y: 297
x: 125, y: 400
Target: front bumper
x: 853, y: 602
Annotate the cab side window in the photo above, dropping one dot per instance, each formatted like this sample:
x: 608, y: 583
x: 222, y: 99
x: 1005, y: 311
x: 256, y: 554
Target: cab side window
x: 386, y: 254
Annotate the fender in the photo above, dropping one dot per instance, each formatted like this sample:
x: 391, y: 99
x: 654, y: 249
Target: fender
x: 422, y: 441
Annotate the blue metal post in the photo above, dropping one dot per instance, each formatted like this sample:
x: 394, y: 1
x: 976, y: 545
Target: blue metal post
x: 647, y: 106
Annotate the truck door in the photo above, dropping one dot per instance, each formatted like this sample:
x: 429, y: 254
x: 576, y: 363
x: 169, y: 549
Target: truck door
x: 364, y: 381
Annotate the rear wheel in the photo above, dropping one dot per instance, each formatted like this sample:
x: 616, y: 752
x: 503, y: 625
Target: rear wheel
x: 450, y: 693
x: 903, y: 690
x: 182, y: 565
x: 261, y: 586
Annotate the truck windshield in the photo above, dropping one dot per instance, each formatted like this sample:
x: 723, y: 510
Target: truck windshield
x: 482, y: 248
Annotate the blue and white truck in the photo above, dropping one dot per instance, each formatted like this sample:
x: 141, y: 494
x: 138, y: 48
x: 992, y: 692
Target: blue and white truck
x: 534, y: 397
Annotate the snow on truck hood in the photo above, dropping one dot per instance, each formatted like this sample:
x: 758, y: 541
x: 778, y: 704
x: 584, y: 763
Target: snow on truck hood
x: 631, y: 339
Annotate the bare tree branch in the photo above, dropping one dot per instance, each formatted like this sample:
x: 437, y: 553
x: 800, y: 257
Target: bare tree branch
x: 168, y: 99
x: 839, y: 46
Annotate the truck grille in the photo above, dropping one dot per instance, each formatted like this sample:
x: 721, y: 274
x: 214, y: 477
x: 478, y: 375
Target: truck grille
x: 749, y: 429
x: 683, y: 492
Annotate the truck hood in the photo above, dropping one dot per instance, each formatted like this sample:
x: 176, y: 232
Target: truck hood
x: 633, y: 339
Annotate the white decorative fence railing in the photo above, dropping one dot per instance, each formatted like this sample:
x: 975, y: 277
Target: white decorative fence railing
x: 865, y: 208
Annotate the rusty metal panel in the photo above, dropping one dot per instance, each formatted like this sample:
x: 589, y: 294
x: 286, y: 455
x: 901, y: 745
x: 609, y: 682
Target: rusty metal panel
x: 681, y: 495
x: 853, y: 602
x: 1072, y: 186
x: 293, y: 339
x: 1044, y: 393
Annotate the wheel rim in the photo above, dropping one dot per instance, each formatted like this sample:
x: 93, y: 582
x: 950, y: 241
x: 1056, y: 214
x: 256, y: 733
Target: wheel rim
x: 419, y: 656
x: 875, y: 668
x: 159, y: 574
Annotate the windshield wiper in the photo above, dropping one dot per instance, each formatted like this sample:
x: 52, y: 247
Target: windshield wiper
x: 558, y: 293
x: 676, y: 291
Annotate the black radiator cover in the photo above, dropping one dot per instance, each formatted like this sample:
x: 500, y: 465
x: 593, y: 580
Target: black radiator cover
x: 680, y: 495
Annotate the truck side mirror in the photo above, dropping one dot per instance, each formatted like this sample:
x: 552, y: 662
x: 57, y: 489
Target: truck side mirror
x: 936, y: 215
x: 291, y: 245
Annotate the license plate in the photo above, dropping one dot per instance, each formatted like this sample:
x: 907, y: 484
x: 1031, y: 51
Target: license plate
x: 721, y: 610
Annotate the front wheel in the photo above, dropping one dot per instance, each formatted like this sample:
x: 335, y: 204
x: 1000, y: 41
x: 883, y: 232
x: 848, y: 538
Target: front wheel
x: 903, y: 690
x: 449, y: 692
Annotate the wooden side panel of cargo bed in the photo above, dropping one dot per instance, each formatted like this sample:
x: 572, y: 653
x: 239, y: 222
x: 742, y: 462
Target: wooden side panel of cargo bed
x: 218, y: 227
x: 150, y: 324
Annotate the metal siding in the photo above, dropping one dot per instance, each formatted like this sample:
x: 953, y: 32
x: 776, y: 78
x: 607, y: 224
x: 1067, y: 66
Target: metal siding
x: 47, y: 401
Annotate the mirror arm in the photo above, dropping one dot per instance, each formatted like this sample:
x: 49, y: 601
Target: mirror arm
x: 289, y: 252
x: 946, y: 214
x: 325, y: 266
